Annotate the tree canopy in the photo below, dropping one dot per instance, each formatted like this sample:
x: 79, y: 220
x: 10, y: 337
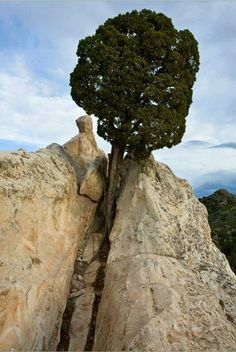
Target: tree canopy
x: 136, y: 75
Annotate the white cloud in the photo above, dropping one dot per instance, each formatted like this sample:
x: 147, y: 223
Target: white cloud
x: 32, y: 111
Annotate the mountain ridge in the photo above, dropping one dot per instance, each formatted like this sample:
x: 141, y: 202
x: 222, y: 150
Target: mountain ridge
x: 221, y: 207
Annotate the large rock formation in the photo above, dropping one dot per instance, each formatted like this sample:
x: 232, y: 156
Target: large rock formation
x: 167, y: 286
x: 87, y: 160
x: 42, y: 221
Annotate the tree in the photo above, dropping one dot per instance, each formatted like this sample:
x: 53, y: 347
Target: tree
x: 136, y: 75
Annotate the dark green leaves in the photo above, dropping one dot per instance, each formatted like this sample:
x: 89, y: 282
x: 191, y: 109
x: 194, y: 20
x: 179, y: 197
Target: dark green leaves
x: 136, y: 75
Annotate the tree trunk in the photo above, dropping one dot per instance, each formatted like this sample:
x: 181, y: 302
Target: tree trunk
x: 115, y: 160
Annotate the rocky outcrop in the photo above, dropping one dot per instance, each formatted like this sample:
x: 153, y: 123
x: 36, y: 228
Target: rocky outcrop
x: 167, y: 286
x: 43, y: 220
x: 92, y: 257
x: 87, y: 160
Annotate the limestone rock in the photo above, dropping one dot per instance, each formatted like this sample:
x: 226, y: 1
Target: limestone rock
x: 88, y: 160
x: 167, y: 287
x: 85, y: 125
x: 91, y: 272
x: 81, y: 320
x: 42, y: 221
x: 92, y: 184
x: 92, y: 247
x: 77, y: 293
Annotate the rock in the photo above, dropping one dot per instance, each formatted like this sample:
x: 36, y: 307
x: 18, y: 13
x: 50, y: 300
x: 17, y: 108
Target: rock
x: 76, y: 294
x: 42, y: 221
x: 81, y: 320
x: 92, y: 184
x: 77, y: 284
x: 167, y: 287
x: 88, y: 160
x: 92, y: 247
x: 91, y: 272
x: 85, y: 124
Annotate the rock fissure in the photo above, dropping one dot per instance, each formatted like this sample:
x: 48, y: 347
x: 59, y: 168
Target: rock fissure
x: 86, y: 196
x: 181, y: 299
x: 84, y: 283
x: 64, y: 342
x: 98, y: 288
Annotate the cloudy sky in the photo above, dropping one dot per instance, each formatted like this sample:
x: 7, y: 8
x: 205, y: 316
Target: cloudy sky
x: 38, y: 41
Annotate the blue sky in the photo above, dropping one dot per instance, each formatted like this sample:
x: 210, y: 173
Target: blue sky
x: 38, y: 41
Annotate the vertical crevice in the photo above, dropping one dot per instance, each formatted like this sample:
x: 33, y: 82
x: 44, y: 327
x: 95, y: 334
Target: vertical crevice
x: 64, y: 342
x: 98, y: 288
x: 79, y: 269
x: 99, y: 225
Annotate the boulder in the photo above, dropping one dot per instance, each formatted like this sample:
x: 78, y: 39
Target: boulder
x: 88, y: 160
x: 43, y: 219
x: 167, y: 287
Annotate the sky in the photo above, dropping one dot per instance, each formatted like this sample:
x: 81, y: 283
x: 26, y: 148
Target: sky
x: 38, y: 42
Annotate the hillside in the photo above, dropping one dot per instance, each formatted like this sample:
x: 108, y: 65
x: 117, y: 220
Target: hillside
x: 221, y: 207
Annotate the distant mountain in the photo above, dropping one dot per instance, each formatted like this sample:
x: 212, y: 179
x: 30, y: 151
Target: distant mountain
x: 221, y: 207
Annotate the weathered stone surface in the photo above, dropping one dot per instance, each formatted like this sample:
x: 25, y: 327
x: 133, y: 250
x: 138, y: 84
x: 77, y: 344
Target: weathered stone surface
x: 91, y: 272
x: 42, y: 221
x: 92, y: 247
x: 88, y: 159
x: 167, y: 287
x: 92, y: 184
x: 77, y: 293
x: 81, y: 320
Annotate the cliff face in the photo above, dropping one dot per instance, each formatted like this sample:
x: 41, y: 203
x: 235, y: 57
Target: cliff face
x: 167, y: 287
x: 43, y: 219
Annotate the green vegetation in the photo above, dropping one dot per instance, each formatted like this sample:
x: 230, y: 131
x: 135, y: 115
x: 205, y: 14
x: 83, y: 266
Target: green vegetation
x: 136, y: 75
x: 221, y: 207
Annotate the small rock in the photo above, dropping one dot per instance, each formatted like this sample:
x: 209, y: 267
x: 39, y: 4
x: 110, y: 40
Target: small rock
x: 92, y: 247
x: 79, y: 277
x: 76, y: 284
x: 77, y: 293
x: 91, y: 272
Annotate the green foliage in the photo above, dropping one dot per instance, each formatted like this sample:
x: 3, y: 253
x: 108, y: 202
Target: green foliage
x: 136, y: 75
x: 221, y: 207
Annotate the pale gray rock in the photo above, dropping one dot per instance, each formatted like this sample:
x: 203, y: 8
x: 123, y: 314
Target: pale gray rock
x: 88, y: 160
x: 77, y: 293
x: 43, y: 219
x: 91, y: 272
x: 167, y: 287
x: 92, y: 247
x: 80, y: 322
x: 92, y: 184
